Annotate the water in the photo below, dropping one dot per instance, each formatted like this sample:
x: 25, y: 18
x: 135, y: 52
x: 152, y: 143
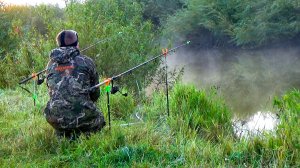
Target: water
x: 247, y: 79
x: 256, y: 125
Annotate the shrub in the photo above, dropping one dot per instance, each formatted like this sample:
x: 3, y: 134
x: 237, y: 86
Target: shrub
x: 239, y: 23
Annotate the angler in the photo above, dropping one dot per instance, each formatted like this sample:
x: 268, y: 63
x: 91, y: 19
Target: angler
x: 38, y: 78
x: 70, y: 110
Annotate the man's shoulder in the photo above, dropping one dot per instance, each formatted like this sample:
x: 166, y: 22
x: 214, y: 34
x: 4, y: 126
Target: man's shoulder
x: 84, y: 60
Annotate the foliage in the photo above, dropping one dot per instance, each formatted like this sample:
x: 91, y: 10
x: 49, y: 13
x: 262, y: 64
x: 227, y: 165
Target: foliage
x: 93, y: 20
x: 29, y: 58
x: 11, y: 19
x: 242, y: 23
x: 158, y: 10
x: 26, y: 45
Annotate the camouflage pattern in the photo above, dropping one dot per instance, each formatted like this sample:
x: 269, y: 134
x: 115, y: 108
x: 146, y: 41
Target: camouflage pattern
x: 71, y: 106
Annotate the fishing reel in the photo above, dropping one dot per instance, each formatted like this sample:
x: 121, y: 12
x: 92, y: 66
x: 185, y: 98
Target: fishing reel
x: 38, y: 77
x: 40, y: 80
x: 116, y: 89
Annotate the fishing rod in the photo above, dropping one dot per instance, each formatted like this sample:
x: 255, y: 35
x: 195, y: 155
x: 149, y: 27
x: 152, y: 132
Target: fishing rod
x: 165, y: 53
x: 34, y: 75
x: 101, y: 41
x: 109, y: 81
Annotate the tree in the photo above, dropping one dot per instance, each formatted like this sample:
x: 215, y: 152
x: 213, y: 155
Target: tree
x: 158, y: 10
x: 242, y: 23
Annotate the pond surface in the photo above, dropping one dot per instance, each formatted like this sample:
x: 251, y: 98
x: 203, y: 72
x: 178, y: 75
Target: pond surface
x: 247, y: 79
x: 256, y: 125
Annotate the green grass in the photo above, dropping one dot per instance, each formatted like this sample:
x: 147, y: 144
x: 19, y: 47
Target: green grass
x: 198, y: 133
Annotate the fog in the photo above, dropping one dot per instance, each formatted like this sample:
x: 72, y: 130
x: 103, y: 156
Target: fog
x: 247, y: 79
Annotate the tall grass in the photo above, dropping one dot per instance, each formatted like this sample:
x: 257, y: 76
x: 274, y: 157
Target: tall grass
x: 197, y: 134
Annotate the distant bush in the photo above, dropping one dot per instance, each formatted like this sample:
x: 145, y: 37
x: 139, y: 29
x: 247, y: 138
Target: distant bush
x: 158, y: 10
x: 241, y: 23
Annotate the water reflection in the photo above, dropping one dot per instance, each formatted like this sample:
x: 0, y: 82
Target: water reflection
x: 256, y: 125
x: 248, y: 80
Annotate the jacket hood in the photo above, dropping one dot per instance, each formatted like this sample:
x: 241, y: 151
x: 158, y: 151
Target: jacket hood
x: 63, y: 54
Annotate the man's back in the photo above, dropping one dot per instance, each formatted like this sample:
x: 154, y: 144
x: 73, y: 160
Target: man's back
x: 71, y: 106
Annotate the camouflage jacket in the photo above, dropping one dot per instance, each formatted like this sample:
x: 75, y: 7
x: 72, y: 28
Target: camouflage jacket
x: 69, y: 74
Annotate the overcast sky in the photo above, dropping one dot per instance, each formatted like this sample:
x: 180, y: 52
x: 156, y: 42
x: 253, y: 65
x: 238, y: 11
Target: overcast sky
x: 61, y: 3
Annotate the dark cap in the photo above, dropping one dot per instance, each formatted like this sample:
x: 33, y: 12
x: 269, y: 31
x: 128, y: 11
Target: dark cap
x: 67, y: 38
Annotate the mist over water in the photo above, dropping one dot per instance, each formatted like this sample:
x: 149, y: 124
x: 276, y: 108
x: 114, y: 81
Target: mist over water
x: 247, y: 79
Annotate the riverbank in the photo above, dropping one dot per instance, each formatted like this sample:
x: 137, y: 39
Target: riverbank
x: 197, y: 133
